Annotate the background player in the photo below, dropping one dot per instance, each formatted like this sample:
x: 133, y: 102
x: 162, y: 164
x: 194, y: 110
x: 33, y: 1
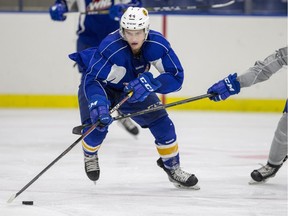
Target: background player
x: 261, y: 71
x: 92, y: 29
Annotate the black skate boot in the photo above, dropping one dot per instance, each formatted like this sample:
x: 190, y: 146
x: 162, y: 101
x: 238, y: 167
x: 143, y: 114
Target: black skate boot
x: 92, y: 168
x: 129, y: 125
x: 180, y: 178
x: 265, y: 172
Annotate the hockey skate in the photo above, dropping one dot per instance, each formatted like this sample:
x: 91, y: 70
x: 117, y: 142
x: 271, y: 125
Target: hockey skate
x: 266, y: 172
x: 92, y: 168
x: 129, y: 126
x: 180, y: 178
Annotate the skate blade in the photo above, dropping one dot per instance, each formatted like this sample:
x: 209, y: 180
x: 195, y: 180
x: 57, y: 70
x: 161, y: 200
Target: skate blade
x: 195, y: 187
x: 252, y: 182
x: 128, y: 131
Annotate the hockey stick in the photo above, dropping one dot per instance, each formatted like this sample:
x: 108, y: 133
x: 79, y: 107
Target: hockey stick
x: 66, y: 151
x: 78, y: 129
x: 169, y: 8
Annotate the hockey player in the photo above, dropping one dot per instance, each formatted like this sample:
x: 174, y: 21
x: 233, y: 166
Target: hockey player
x: 261, y: 71
x: 92, y: 29
x: 121, y: 65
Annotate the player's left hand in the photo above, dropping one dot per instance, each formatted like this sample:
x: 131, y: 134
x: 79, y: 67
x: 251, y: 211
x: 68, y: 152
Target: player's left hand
x: 58, y: 10
x: 225, y: 88
x: 116, y: 11
x: 99, y: 112
x: 142, y: 87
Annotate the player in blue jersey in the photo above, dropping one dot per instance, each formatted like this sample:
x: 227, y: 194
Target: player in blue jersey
x: 121, y: 65
x: 261, y: 71
x: 92, y: 29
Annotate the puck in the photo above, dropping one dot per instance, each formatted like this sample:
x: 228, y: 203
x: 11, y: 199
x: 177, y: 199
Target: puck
x: 27, y: 202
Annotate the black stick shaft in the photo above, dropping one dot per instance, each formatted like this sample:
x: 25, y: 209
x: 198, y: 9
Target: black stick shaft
x: 156, y: 108
x: 66, y: 151
x: 54, y: 161
x: 77, y: 130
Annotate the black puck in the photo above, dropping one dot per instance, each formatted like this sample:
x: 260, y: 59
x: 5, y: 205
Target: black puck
x: 27, y: 202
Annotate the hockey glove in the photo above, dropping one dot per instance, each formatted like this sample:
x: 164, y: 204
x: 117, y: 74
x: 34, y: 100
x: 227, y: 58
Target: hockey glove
x: 116, y: 11
x: 58, y: 10
x: 99, y: 111
x: 224, y: 88
x: 142, y: 87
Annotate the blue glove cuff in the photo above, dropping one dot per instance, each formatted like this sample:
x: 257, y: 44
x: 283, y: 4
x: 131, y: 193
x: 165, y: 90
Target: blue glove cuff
x: 98, y: 100
x: 232, y: 84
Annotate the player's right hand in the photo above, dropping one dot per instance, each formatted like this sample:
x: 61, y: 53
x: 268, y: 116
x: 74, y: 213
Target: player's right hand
x: 225, y: 88
x: 141, y: 87
x: 58, y: 10
x: 99, y: 111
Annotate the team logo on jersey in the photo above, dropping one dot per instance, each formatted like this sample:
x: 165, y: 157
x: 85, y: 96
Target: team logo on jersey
x: 99, y: 5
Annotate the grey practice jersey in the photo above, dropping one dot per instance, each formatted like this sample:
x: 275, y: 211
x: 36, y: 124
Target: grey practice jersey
x: 263, y: 70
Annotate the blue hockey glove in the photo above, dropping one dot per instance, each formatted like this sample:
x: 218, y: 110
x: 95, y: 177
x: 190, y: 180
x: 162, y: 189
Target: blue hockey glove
x: 99, y: 111
x: 116, y: 11
x: 135, y: 3
x: 224, y: 88
x: 58, y: 10
x: 142, y: 87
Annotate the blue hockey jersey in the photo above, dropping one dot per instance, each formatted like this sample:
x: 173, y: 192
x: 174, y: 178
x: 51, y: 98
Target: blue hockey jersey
x: 113, y: 64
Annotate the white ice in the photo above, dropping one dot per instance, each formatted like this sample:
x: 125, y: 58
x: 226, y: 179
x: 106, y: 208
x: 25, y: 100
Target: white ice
x: 220, y: 148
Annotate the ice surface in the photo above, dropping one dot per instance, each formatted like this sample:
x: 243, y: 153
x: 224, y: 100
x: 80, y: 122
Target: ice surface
x: 220, y: 148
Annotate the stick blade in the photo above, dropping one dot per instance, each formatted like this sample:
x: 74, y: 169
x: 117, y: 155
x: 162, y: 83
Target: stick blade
x: 11, y: 198
x: 77, y: 130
